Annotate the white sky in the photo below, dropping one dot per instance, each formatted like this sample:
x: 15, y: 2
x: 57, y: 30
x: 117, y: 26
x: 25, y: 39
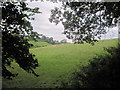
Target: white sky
x: 42, y: 25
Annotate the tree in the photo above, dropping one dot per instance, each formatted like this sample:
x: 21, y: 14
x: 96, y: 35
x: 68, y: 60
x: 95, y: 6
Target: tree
x: 34, y: 36
x: 51, y: 39
x: 63, y: 41
x: 86, y: 21
x: 44, y: 37
x: 15, y: 26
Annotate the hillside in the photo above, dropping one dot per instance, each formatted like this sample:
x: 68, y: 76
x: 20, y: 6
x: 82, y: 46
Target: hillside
x: 39, y: 44
x: 57, y: 62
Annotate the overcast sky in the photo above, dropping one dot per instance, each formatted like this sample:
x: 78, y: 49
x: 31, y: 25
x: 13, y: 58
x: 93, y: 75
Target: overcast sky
x: 42, y: 25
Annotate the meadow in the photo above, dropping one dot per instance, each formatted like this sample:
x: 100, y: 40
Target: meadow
x: 39, y: 44
x: 57, y: 62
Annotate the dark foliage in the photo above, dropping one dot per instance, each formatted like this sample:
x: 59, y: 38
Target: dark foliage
x: 102, y: 72
x: 86, y: 21
x: 15, y: 25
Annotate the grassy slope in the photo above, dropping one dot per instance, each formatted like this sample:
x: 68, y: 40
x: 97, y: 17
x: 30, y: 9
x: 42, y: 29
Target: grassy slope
x: 56, y: 63
x: 39, y: 44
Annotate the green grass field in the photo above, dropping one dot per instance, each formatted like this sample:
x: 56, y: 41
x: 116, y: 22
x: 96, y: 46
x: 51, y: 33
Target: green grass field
x: 39, y: 44
x: 57, y: 62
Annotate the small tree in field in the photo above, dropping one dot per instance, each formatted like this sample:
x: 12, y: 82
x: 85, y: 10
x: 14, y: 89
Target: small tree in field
x: 63, y: 41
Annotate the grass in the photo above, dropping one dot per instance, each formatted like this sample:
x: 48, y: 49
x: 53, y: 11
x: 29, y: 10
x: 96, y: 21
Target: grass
x: 56, y: 62
x: 39, y: 44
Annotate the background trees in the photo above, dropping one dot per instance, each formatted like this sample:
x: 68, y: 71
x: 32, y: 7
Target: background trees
x: 86, y: 21
x: 63, y: 41
x: 42, y: 38
x: 15, y: 25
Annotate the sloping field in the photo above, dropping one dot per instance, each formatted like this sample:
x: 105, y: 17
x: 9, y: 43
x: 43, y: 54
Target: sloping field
x: 39, y: 44
x: 56, y: 62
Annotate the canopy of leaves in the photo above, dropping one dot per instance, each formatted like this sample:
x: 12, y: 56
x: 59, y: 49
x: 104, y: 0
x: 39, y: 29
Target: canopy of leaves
x: 15, y: 25
x: 86, y: 21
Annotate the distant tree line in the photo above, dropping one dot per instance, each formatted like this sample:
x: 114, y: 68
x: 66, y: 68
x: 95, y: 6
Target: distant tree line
x: 43, y: 38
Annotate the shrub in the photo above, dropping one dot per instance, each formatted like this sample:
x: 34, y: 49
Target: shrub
x: 101, y: 72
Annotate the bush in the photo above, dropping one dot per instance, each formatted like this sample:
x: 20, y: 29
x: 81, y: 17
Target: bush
x: 101, y: 72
